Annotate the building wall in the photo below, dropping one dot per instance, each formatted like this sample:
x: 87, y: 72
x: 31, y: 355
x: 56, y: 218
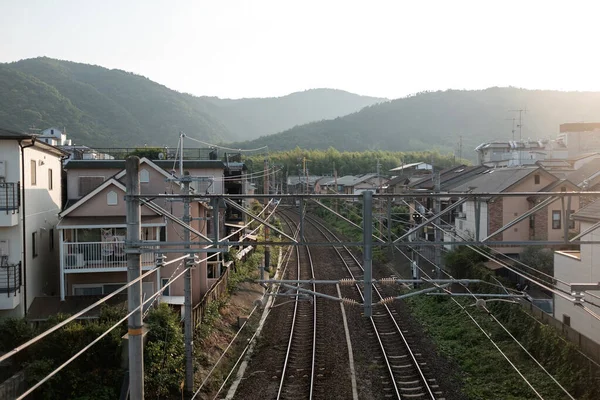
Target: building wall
x: 41, y: 204
x: 465, y: 227
x: 570, y: 269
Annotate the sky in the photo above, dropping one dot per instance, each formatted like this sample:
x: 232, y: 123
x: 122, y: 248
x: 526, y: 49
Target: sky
x: 264, y: 48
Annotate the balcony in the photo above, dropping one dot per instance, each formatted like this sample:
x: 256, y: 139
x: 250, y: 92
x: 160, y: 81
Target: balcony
x: 80, y: 257
x: 10, y: 201
x: 10, y: 286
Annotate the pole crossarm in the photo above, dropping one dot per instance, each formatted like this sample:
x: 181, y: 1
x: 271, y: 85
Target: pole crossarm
x: 257, y: 218
x: 432, y: 219
x: 520, y: 218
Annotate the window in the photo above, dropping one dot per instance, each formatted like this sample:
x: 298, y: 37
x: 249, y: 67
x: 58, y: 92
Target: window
x: 34, y: 249
x: 162, y: 235
x: 566, y: 320
x: 167, y: 290
x: 50, y: 183
x: 33, y: 172
x: 555, y: 219
x: 89, y: 183
x: 536, y: 179
x: 532, y: 221
x: 111, y: 198
x: 51, y: 240
x: 144, y: 176
x: 87, y: 290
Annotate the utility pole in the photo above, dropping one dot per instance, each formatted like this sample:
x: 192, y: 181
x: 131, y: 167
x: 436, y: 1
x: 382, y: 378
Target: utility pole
x: 367, y: 251
x: 520, y: 126
x: 437, y: 232
x: 336, y: 185
x: 380, y: 203
x: 134, y: 270
x: 305, y: 173
x: 266, y: 201
x: 187, y: 291
x: 460, y: 148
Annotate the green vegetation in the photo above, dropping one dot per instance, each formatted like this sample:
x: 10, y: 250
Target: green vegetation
x: 96, y: 374
x: 113, y: 108
x: 484, y: 371
x: 435, y: 120
x: 322, y: 162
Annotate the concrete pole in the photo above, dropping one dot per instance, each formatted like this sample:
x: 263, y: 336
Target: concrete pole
x: 134, y: 270
x: 267, y: 229
x: 389, y: 226
x: 437, y: 231
x: 368, y: 250
x: 187, y: 291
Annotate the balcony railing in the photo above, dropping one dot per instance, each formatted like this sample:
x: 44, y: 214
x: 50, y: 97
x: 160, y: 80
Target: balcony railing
x: 10, y: 196
x: 10, y: 278
x: 99, y: 255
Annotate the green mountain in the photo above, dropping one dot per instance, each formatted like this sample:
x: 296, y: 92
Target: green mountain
x: 436, y: 120
x: 251, y: 118
x: 102, y: 107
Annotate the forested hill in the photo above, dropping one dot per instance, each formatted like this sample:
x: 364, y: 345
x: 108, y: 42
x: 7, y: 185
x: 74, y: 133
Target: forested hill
x: 102, y: 107
x: 435, y: 120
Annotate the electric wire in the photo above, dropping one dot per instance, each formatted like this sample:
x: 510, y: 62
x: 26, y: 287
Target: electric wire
x: 227, y: 148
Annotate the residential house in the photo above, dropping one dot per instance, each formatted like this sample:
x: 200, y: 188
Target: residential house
x: 358, y: 184
x: 580, y: 137
x: 580, y: 266
x: 496, y: 211
x: 30, y: 200
x: 302, y: 183
x: 92, y: 227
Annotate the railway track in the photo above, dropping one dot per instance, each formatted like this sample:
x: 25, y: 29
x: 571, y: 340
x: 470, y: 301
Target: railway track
x: 405, y: 377
x: 298, y: 372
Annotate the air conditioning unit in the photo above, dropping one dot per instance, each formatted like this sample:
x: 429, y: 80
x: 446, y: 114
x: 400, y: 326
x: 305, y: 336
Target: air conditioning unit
x: 461, y: 215
x: 4, y: 247
x: 74, y: 260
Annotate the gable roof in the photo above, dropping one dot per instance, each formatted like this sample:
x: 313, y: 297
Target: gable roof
x: 145, y: 161
x: 107, y: 183
x: 449, y: 177
x: 8, y: 134
x: 591, y: 212
x: 587, y: 171
x: 497, y: 180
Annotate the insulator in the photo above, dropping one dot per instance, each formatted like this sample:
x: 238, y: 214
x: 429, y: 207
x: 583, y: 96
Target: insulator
x: 387, y: 281
x: 387, y: 300
x: 347, y: 282
x: 349, y: 302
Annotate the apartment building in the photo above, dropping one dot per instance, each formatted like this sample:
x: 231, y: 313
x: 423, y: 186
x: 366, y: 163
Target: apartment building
x: 30, y: 200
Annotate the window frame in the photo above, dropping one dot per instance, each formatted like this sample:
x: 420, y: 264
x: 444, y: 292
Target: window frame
x: 34, y: 244
x: 556, y: 223
x: 537, y: 179
x: 167, y: 291
x: 33, y: 172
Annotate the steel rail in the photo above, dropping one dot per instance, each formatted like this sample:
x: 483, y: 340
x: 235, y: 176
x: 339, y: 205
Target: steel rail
x: 294, y: 327
x: 389, y: 312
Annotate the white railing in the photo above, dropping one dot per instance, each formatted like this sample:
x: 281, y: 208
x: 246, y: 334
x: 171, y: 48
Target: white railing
x: 99, y: 255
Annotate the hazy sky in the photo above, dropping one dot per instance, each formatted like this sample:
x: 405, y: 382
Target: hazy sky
x: 270, y: 48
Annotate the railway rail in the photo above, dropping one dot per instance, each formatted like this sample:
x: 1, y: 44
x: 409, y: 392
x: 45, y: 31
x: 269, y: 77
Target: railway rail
x: 405, y: 373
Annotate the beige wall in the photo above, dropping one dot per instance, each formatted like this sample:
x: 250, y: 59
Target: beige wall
x: 572, y: 270
x: 73, y: 176
x: 98, y: 206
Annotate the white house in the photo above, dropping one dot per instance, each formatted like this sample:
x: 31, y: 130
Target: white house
x: 54, y: 137
x: 30, y: 200
x: 580, y: 267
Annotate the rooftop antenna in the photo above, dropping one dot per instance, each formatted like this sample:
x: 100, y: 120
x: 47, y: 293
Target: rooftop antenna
x: 520, y: 126
x: 513, y: 126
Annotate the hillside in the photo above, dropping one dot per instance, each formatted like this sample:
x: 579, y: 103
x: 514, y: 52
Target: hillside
x: 435, y: 120
x: 102, y: 107
x: 252, y: 118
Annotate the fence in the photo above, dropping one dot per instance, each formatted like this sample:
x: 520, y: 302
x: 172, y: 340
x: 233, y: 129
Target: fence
x: 10, y: 197
x: 13, y: 387
x: 218, y: 290
x: 10, y: 278
x: 86, y: 255
x: 585, y: 344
